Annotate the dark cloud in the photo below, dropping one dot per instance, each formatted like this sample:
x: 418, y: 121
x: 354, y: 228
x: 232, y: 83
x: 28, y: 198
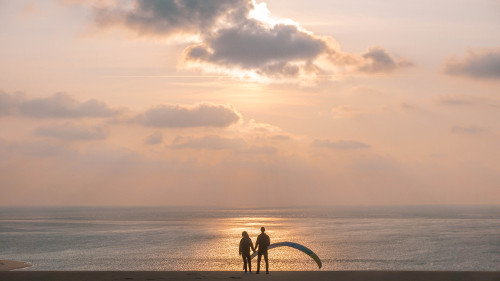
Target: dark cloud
x: 72, y: 132
x: 254, y: 45
x: 59, y: 105
x: 282, y: 51
x: 211, y: 142
x: 468, y: 130
x: 62, y: 105
x: 378, y: 60
x: 202, y: 115
x: 167, y: 17
x: 339, y: 145
x: 231, y: 39
x: 477, y: 64
x: 155, y: 138
x: 280, y: 70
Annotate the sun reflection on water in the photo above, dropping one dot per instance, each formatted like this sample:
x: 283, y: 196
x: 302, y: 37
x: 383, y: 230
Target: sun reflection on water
x: 280, y: 230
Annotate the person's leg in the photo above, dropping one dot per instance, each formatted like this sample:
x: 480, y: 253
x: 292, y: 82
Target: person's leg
x: 259, y: 256
x: 249, y: 263
x: 244, y: 262
x: 267, y: 262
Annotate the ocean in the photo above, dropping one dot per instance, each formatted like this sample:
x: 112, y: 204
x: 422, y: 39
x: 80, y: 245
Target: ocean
x: 186, y: 238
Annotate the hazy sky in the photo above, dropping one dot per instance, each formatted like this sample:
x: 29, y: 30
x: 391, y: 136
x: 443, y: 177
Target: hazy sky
x: 241, y: 103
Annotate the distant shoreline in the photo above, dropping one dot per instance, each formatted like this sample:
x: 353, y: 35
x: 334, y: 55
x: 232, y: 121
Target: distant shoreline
x: 11, y: 265
x: 234, y: 275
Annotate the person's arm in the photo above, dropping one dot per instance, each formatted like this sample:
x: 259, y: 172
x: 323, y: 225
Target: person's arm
x: 257, y: 243
x: 251, y: 245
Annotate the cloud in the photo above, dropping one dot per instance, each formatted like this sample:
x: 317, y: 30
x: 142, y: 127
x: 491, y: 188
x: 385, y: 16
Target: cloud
x: 456, y: 101
x: 155, y: 138
x: 59, y: 105
x: 72, y: 132
x: 210, y: 142
x: 375, y: 164
x: 8, y: 103
x: 168, y: 17
x: 377, y: 60
x: 466, y: 101
x: 251, y: 45
x: 201, y: 115
x: 280, y: 137
x: 258, y: 127
x: 240, y: 38
x: 37, y: 149
x: 339, y: 145
x: 468, y: 130
x: 62, y: 105
x: 483, y: 64
x: 344, y: 111
x: 266, y: 150
x: 407, y: 106
x: 283, y: 51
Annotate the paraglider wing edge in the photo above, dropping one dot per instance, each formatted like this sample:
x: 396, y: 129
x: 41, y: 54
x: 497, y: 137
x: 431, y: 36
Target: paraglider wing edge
x: 297, y: 246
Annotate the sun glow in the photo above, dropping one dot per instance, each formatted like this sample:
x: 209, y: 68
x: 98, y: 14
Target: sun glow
x: 262, y: 14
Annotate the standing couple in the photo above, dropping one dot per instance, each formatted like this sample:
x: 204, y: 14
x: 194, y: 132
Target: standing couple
x: 262, y: 243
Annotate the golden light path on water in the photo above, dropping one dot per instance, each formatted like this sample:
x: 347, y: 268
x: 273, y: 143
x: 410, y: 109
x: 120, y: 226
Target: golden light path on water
x: 222, y: 253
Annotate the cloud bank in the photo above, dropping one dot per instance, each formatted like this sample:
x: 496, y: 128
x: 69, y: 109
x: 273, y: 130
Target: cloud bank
x: 8, y: 103
x: 73, y: 132
x: 253, y: 45
x: 483, y: 64
x: 167, y: 17
x: 59, y: 105
x: 201, y: 115
x: 210, y: 142
x: 241, y: 38
x: 339, y: 145
x: 468, y: 130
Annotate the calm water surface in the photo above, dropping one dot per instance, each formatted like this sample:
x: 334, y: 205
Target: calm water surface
x: 168, y: 238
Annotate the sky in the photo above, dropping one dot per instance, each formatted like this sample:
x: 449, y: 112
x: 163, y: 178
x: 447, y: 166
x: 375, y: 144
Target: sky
x: 241, y: 103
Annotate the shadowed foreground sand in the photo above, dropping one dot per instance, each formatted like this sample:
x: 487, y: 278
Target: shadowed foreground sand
x: 232, y: 275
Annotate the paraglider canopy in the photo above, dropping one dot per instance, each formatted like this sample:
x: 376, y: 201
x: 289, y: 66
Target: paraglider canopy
x: 299, y: 247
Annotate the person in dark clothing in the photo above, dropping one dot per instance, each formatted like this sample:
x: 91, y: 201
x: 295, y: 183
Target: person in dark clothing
x: 263, y: 241
x: 245, y: 245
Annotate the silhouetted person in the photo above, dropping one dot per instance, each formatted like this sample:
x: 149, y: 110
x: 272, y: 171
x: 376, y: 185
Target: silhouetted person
x: 245, y: 245
x: 263, y: 241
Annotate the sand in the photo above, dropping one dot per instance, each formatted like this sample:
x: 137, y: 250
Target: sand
x: 11, y: 265
x: 227, y: 275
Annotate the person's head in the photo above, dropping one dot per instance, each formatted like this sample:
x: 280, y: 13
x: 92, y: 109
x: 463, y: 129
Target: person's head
x: 244, y: 234
x: 262, y: 229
